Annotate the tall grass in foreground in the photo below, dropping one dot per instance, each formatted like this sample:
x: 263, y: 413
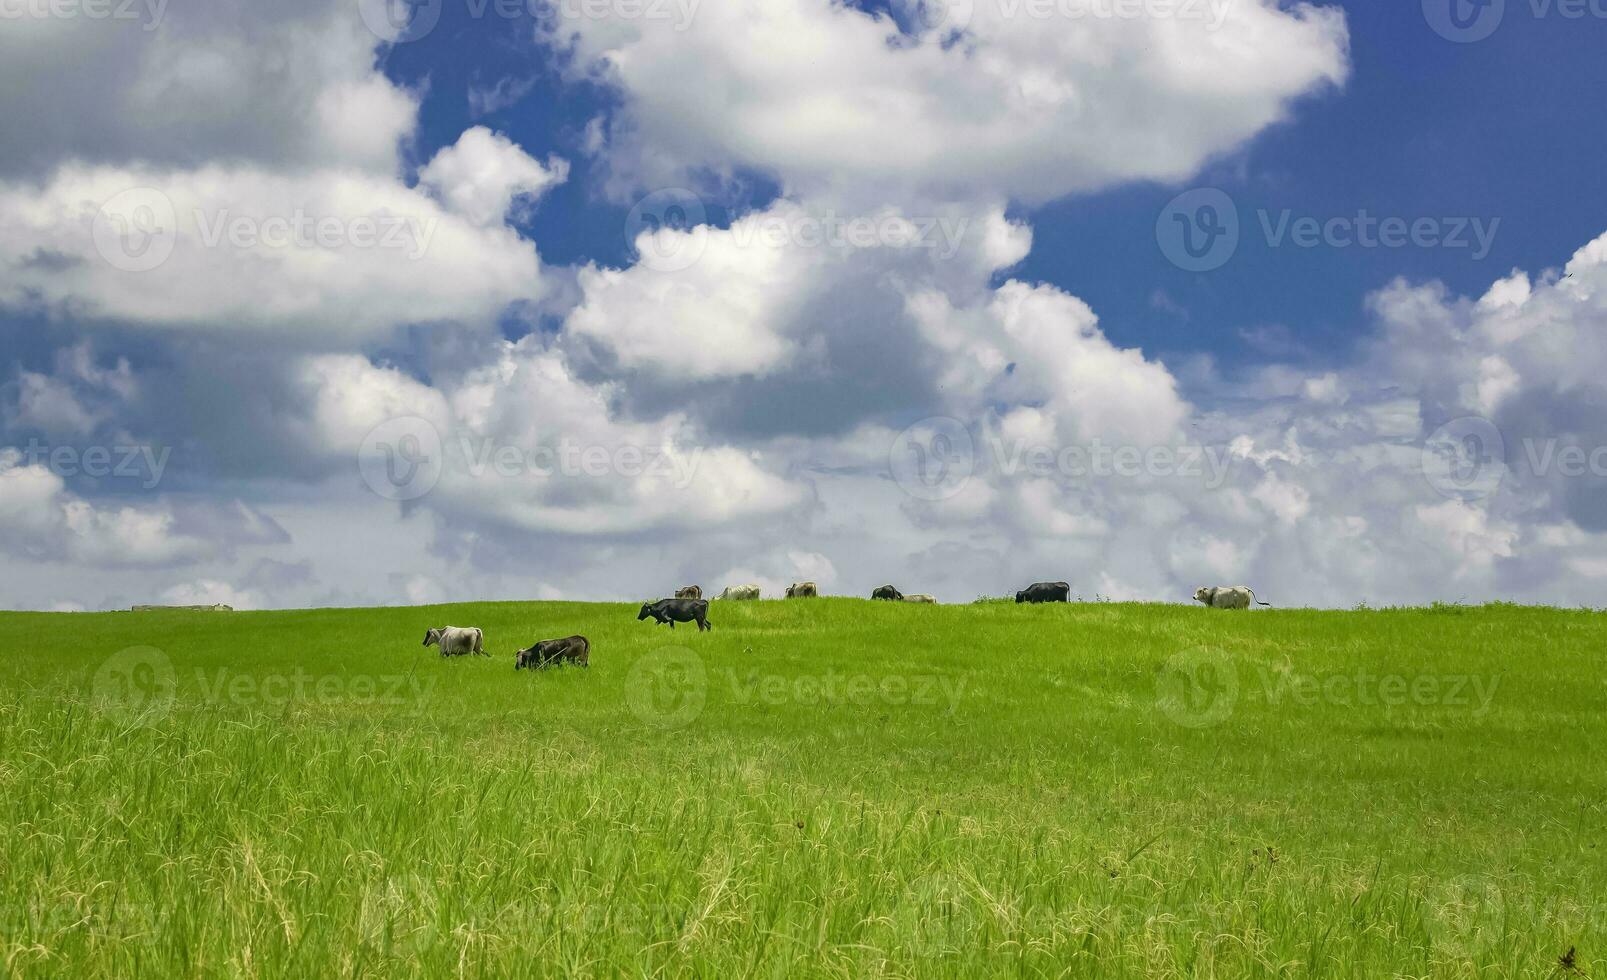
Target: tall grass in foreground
x: 817, y: 787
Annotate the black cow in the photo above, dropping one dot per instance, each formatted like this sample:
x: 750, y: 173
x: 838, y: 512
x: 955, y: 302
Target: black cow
x: 1045, y: 592
x: 674, y: 611
x: 573, y: 649
x: 887, y: 592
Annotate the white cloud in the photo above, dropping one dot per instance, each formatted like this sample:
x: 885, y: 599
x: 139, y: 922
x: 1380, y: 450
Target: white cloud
x: 832, y: 99
x: 481, y: 175
x: 323, y: 256
x: 210, y: 592
x: 41, y: 519
x: 288, y: 84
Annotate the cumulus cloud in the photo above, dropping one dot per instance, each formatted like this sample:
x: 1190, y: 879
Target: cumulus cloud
x: 41, y: 519
x: 184, y: 84
x: 314, y: 255
x: 481, y: 176
x: 1025, y: 101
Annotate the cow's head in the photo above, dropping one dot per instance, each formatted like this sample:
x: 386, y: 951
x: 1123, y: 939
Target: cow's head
x: 647, y: 610
x: 432, y: 636
x: 525, y: 658
x: 1202, y: 594
x: 1021, y: 597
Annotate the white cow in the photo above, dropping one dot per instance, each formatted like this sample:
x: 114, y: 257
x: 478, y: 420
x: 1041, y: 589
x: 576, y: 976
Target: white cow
x: 740, y: 592
x: 1228, y: 597
x: 920, y: 598
x: 455, y: 641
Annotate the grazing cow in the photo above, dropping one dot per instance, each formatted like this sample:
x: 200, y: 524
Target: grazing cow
x: 1045, y: 592
x: 690, y: 592
x: 455, y: 641
x: 674, y: 611
x: 887, y: 592
x: 803, y: 590
x: 740, y: 592
x: 571, y: 649
x: 1228, y: 597
x: 918, y: 598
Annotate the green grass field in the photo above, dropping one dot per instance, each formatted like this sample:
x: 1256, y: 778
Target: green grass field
x: 827, y: 787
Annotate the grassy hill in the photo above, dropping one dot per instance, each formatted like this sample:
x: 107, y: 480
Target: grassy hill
x: 827, y: 787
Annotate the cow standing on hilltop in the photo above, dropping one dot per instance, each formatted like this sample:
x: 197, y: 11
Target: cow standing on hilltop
x: 1228, y: 597
x: 803, y: 590
x: 689, y: 592
x: 1045, y: 592
x: 674, y: 611
x: 887, y: 592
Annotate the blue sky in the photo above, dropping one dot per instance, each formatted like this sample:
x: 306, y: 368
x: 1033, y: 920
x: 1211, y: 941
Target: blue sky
x: 1016, y: 373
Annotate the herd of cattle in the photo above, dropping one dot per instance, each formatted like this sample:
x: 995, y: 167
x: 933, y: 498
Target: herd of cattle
x: 689, y: 606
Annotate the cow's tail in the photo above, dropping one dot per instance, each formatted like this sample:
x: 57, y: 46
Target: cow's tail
x: 585, y: 652
x: 479, y: 642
